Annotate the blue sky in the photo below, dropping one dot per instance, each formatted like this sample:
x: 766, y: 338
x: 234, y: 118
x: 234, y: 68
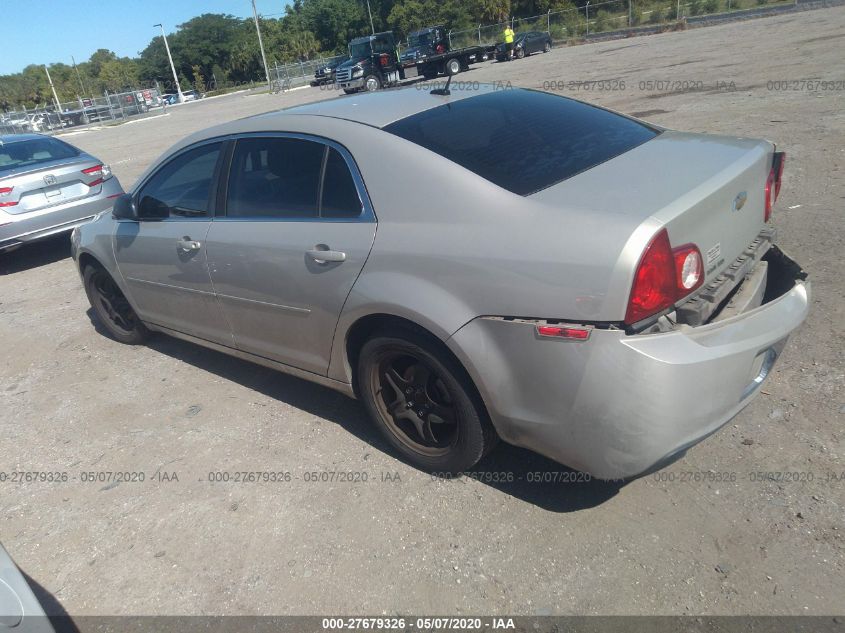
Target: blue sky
x: 53, y: 30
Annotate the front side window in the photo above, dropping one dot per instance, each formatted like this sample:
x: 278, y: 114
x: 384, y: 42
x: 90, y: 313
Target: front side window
x: 183, y: 185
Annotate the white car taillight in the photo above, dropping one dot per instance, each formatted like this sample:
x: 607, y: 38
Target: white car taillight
x: 5, y: 192
x: 100, y: 173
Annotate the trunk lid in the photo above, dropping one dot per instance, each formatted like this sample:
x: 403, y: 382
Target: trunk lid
x: 49, y: 184
x: 706, y: 190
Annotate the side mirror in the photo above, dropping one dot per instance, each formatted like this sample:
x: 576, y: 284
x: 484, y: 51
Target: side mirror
x: 152, y: 209
x: 124, y: 208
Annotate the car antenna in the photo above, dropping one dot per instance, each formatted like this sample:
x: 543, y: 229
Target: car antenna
x: 444, y: 91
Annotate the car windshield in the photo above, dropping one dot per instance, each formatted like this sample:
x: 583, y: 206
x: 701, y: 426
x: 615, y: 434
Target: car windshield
x: 523, y: 140
x: 420, y: 39
x: 358, y: 50
x: 27, y: 153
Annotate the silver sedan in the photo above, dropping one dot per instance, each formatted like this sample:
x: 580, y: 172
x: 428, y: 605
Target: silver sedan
x: 475, y: 264
x: 48, y: 186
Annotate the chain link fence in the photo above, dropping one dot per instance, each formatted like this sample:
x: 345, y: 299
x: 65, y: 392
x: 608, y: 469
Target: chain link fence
x: 292, y: 75
x: 109, y: 108
x: 605, y: 16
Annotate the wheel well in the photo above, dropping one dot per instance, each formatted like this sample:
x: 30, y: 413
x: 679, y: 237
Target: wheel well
x: 86, y: 260
x: 367, y: 326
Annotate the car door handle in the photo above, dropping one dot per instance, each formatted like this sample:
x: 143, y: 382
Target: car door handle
x: 322, y: 255
x: 187, y: 244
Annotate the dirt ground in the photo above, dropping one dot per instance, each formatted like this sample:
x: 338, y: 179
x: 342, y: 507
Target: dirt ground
x: 678, y: 542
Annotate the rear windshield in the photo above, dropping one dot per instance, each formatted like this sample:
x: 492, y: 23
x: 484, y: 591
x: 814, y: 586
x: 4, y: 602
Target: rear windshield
x: 19, y: 154
x: 523, y: 140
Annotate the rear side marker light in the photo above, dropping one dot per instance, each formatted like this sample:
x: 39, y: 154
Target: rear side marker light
x: 571, y: 333
x: 5, y: 191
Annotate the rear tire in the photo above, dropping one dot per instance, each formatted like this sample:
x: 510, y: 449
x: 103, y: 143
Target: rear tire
x: 112, y: 308
x: 423, y: 402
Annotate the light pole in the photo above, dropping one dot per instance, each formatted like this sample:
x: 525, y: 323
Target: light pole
x: 172, y: 67
x: 261, y: 45
x: 372, y: 26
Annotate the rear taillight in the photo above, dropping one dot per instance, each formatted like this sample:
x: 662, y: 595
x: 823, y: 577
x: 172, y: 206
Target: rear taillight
x: 4, y: 193
x: 100, y: 173
x: 664, y: 276
x: 773, y: 183
x: 654, y: 282
x: 769, y: 194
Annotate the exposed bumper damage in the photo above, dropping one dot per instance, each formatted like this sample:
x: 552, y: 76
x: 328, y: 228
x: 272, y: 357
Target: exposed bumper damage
x: 615, y: 405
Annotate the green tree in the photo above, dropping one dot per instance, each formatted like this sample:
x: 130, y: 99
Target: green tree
x: 199, y: 80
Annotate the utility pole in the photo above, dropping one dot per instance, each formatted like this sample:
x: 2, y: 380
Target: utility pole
x: 172, y: 67
x: 78, y: 76
x: 261, y: 44
x: 53, y: 88
x: 372, y: 26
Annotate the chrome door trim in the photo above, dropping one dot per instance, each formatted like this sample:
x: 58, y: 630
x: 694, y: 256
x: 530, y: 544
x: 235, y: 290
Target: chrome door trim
x: 266, y: 303
x: 161, y: 285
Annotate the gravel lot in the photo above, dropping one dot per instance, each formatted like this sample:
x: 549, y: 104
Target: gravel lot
x: 72, y: 400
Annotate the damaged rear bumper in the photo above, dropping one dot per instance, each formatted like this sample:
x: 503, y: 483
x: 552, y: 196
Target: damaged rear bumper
x: 615, y: 405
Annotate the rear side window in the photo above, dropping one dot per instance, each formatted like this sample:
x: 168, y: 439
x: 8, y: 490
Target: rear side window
x: 183, y: 185
x: 275, y: 178
x: 523, y: 140
x: 278, y: 177
x: 340, y: 196
x: 31, y: 152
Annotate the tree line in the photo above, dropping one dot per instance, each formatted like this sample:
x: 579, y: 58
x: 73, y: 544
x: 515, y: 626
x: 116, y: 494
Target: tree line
x: 216, y: 50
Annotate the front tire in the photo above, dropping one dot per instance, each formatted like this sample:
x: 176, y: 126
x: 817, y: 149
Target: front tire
x: 423, y: 402
x: 112, y: 308
x: 372, y: 83
x: 547, y: 47
x: 520, y: 53
x: 453, y: 66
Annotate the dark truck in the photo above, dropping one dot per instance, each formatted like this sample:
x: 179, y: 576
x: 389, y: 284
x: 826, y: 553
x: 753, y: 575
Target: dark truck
x: 374, y: 60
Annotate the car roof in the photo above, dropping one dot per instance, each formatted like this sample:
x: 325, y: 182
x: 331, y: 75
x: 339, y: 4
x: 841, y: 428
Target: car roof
x: 12, y: 138
x: 378, y: 109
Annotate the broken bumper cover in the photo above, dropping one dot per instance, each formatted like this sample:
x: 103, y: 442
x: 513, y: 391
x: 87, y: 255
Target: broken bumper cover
x: 617, y: 405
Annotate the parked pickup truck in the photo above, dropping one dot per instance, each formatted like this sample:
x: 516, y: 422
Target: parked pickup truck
x: 374, y: 61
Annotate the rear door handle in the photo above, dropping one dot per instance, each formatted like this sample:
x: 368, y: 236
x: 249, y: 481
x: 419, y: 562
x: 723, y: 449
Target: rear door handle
x: 322, y: 255
x: 187, y: 244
